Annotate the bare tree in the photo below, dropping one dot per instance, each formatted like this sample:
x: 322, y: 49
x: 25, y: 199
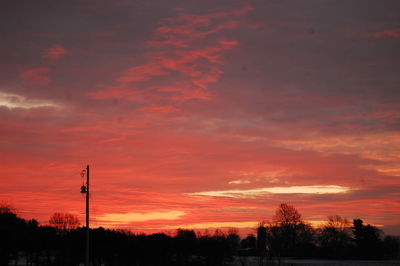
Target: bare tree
x: 288, y: 235
x: 64, y: 221
x: 287, y: 215
x: 334, y: 237
x: 338, y: 222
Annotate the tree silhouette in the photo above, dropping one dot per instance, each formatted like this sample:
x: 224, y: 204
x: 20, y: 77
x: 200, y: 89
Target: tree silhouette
x: 262, y: 240
x: 368, y: 240
x: 250, y: 242
x: 338, y: 222
x: 288, y: 235
x: 6, y: 208
x: 64, y: 221
x: 233, y: 241
x: 334, y: 238
x: 287, y: 215
x: 186, y: 242
x: 391, y: 246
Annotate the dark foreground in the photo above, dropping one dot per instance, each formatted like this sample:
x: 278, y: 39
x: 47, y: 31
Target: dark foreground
x: 25, y: 242
x: 256, y: 261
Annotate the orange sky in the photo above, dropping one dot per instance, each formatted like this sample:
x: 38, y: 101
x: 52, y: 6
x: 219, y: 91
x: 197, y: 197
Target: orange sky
x: 201, y: 114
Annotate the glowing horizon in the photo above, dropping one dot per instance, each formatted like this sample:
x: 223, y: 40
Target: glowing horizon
x: 141, y: 217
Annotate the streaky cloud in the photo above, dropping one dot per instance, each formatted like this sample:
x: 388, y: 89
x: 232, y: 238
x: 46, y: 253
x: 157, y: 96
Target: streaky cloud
x: 248, y: 193
x: 19, y: 101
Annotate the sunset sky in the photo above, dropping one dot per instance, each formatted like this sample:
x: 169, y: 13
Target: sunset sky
x: 201, y: 114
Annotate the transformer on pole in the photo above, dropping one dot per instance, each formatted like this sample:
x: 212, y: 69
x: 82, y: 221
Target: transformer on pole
x: 85, y: 190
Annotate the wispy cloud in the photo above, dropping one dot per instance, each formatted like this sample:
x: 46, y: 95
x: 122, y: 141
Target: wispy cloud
x: 388, y: 33
x: 37, y: 76
x: 177, y: 48
x: 239, y: 181
x: 249, y: 193
x: 18, y: 101
x: 55, y: 52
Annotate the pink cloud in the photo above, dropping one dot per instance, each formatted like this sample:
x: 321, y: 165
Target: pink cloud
x: 55, y: 52
x: 37, y: 76
x: 141, y: 73
x: 194, y: 66
x: 389, y: 33
x: 159, y: 110
x: 186, y: 28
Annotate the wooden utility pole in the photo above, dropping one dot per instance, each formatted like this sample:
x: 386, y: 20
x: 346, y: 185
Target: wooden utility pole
x: 87, y: 217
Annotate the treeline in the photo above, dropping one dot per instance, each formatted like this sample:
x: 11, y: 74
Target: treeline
x: 61, y: 244
x: 287, y: 235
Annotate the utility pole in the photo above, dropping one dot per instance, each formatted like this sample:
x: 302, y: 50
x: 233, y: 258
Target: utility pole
x: 85, y: 190
x: 87, y: 216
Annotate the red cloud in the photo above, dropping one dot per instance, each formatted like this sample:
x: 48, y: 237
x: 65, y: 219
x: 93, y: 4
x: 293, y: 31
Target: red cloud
x: 55, y: 52
x: 142, y: 73
x: 393, y: 33
x: 187, y: 48
x: 37, y: 76
x: 184, y: 29
x: 157, y: 109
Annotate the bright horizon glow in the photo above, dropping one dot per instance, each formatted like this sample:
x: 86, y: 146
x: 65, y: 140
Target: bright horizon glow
x: 250, y: 224
x: 140, y: 217
x: 245, y: 193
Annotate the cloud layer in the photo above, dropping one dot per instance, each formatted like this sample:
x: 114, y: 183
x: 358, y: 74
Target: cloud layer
x: 200, y: 113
